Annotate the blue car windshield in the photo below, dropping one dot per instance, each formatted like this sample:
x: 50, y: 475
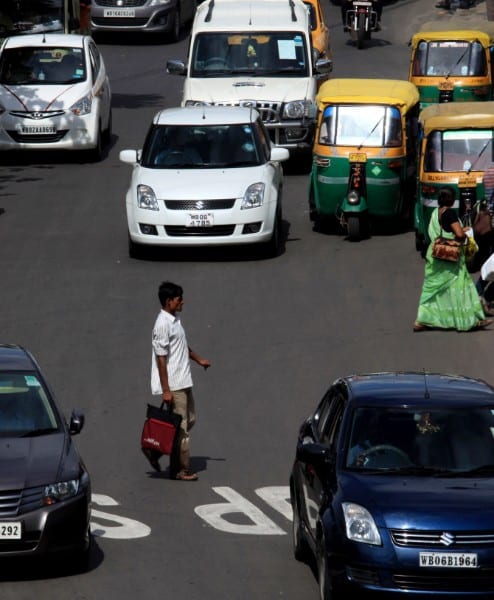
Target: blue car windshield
x: 25, y: 407
x: 441, y: 440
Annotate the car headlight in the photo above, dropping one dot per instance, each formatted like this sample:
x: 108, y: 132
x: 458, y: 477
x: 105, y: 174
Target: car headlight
x: 146, y: 198
x: 254, y: 196
x: 298, y: 109
x: 82, y: 106
x: 57, y: 492
x: 360, y: 526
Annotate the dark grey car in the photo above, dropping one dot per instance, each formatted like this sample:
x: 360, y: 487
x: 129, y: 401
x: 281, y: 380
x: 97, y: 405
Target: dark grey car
x: 153, y: 16
x: 45, y: 489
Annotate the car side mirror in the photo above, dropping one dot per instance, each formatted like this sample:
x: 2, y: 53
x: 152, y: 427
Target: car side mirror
x: 76, y: 422
x: 279, y: 154
x: 324, y: 65
x: 316, y: 454
x: 176, y: 67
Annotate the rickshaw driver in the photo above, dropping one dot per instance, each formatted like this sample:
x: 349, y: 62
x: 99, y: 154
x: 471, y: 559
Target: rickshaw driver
x: 347, y: 5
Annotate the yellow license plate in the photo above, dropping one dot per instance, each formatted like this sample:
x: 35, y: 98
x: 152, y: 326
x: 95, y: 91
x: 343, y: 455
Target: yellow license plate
x: 467, y: 181
x: 357, y: 157
x: 446, y: 86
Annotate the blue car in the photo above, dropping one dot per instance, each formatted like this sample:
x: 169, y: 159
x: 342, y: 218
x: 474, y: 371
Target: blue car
x: 392, y: 487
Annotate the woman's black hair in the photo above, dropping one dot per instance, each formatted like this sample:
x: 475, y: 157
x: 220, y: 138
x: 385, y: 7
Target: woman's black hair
x: 446, y: 196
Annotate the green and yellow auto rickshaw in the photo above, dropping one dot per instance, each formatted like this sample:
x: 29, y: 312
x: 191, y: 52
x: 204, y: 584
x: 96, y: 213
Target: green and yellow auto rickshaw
x: 451, y: 61
x: 455, y: 148
x: 364, y: 155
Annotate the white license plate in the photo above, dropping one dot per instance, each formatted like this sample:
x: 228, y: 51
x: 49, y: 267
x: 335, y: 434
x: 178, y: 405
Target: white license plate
x: 200, y: 219
x: 451, y: 560
x: 32, y: 130
x: 119, y: 12
x: 10, y: 531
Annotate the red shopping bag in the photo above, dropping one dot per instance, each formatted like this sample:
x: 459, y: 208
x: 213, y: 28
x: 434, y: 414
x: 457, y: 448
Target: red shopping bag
x: 160, y: 428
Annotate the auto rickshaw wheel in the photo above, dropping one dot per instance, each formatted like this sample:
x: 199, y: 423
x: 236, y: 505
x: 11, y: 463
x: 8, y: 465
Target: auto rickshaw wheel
x: 354, y: 227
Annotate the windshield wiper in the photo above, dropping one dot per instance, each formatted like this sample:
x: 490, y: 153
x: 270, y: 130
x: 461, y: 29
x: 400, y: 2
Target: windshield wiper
x: 41, y: 431
x: 371, y: 132
x: 478, y: 157
x: 457, y: 62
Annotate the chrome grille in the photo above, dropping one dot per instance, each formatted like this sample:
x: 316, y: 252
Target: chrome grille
x: 199, y: 204
x: 269, y: 111
x: 120, y: 21
x: 36, y: 115
x: 414, y: 539
x: 120, y: 3
x: 18, y: 502
x: 40, y: 138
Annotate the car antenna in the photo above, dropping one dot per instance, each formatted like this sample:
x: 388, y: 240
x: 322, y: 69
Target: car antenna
x: 203, y: 111
x: 210, y: 11
x: 426, y: 392
x: 292, y: 6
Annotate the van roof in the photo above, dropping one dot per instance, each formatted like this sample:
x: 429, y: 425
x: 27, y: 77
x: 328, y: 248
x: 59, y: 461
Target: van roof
x: 457, y: 115
x: 368, y: 91
x: 273, y: 15
x: 456, y: 29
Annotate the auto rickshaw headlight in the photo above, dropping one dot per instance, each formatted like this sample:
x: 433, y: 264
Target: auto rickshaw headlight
x: 353, y: 197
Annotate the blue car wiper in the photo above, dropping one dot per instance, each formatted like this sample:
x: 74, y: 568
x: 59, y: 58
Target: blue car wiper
x: 482, y: 470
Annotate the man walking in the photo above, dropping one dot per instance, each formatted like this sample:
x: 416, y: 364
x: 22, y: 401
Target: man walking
x: 171, y: 376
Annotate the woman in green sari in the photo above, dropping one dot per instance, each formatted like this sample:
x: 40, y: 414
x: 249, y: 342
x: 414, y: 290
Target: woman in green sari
x: 449, y: 299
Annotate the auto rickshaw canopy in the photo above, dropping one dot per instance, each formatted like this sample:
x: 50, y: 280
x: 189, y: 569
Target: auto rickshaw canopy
x: 394, y: 92
x: 454, y: 29
x: 457, y: 115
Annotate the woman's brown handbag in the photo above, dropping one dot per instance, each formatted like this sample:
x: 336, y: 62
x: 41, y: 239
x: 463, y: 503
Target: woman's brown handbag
x: 482, y: 219
x: 446, y: 249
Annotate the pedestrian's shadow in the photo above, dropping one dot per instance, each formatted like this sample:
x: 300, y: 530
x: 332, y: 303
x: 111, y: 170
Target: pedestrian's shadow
x: 197, y: 464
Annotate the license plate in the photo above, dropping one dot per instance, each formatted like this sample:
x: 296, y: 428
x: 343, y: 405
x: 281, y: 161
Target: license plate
x: 467, y: 181
x: 33, y: 130
x: 357, y: 157
x: 452, y: 560
x: 10, y: 531
x: 446, y: 86
x: 119, y: 12
x: 200, y: 219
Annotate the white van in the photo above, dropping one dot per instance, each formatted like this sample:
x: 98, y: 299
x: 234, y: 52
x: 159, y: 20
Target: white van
x: 256, y: 53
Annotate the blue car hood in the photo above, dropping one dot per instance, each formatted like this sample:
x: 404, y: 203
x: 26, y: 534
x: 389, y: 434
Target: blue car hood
x: 423, y: 502
x: 31, y: 461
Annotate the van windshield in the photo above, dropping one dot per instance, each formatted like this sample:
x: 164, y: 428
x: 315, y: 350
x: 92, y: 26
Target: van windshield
x: 279, y: 54
x: 361, y: 125
x: 459, y: 150
x: 445, y: 58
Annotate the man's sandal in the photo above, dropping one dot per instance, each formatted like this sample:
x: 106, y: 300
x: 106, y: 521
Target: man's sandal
x: 186, y: 476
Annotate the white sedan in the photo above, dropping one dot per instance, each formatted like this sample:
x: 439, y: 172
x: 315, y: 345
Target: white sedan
x: 54, y: 94
x: 205, y: 176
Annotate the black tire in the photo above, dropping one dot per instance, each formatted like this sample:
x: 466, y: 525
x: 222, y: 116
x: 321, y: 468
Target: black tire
x: 325, y: 591
x: 361, y: 32
x: 137, y: 251
x: 272, y: 248
x: 300, y: 548
x: 174, y: 34
x: 96, y: 153
x: 107, y: 132
x: 354, y: 227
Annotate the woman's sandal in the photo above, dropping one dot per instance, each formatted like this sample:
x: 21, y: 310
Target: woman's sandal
x: 483, y: 323
x: 419, y: 327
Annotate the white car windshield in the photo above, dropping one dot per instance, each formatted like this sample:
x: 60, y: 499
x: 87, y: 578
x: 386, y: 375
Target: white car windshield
x: 41, y: 66
x: 281, y: 54
x: 197, y: 146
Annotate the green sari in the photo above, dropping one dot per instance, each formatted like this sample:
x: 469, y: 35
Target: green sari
x: 449, y: 299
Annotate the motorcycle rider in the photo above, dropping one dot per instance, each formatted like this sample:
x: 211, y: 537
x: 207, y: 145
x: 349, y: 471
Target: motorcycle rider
x: 347, y: 5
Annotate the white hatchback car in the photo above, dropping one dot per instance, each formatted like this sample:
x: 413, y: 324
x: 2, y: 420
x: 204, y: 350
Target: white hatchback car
x: 206, y: 175
x: 54, y: 94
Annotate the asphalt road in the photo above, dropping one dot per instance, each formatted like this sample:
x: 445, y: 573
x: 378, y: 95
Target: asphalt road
x: 276, y: 331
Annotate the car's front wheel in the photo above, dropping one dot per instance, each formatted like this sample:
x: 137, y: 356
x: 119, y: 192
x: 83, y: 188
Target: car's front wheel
x: 137, y: 251
x: 273, y: 246
x: 300, y: 549
x: 325, y: 590
x: 175, y: 28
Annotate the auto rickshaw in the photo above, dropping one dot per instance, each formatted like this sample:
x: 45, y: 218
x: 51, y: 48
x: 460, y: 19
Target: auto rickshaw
x: 451, y: 61
x: 455, y: 148
x: 364, y: 155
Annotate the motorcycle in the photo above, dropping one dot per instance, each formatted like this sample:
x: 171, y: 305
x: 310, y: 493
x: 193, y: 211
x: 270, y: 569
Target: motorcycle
x: 361, y: 20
